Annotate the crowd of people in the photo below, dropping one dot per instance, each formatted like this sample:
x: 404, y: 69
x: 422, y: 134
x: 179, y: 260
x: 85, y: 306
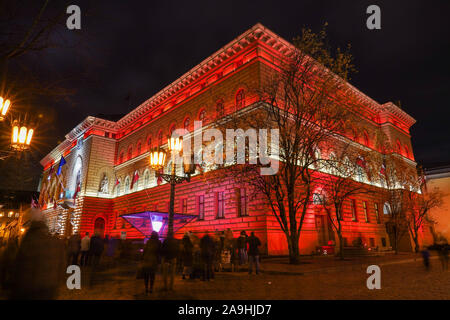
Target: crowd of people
x: 197, y: 258
x: 34, y: 266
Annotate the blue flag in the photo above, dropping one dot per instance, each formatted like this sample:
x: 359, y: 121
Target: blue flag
x: 61, y: 163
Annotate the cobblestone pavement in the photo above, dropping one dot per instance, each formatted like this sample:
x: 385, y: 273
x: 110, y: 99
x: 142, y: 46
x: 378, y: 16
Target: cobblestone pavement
x: 402, y: 277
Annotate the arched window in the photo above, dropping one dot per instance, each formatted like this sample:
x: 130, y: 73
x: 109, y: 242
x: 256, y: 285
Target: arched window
x: 332, y: 163
x: 139, y: 147
x: 127, y: 185
x: 121, y: 157
x: 406, y: 151
x: 366, y: 138
x: 118, y: 187
x: 387, y: 208
x: 186, y: 123
x: 130, y: 153
x: 240, y: 99
x: 399, y: 147
x: 172, y: 129
x: 146, y: 178
x: 220, y: 108
x: 202, y: 115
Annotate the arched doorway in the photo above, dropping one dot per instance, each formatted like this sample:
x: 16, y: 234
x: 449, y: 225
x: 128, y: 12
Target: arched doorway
x: 99, y: 227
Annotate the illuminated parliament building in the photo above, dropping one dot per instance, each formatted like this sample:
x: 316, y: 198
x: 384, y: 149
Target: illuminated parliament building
x: 107, y: 184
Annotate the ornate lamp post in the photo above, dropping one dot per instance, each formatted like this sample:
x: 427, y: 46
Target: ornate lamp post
x: 21, y: 137
x: 158, y: 161
x: 4, y: 106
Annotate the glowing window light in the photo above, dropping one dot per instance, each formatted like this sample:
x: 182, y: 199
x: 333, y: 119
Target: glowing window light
x: 157, y: 223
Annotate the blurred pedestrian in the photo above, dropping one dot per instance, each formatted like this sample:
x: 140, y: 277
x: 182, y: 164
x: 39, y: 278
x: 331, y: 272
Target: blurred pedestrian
x: 39, y: 266
x: 426, y: 258
x: 242, y: 248
x: 207, y: 248
x: 253, y: 253
x: 151, y: 258
x: 187, y: 256
x: 96, y: 247
x: 85, y: 244
x: 73, y: 249
x: 7, y: 259
x: 170, y: 252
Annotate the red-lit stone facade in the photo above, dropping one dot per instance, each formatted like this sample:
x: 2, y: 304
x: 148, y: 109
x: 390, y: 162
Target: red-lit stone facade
x: 98, y: 152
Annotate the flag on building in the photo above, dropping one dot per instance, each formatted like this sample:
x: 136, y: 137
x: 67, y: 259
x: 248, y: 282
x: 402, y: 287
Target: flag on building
x: 34, y: 203
x: 135, y: 179
x: 78, y: 189
x: 383, y: 169
x: 361, y: 162
x: 117, y: 182
x: 61, y: 163
x: 50, y: 172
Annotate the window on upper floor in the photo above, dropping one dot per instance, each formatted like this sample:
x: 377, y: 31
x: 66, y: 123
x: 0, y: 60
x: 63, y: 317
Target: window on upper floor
x: 353, y: 209
x: 201, y: 207
x: 240, y: 99
x: 130, y: 153
x: 202, y: 115
x: 220, y: 108
x: 127, y: 185
x: 139, y: 147
x: 220, y: 205
x: 187, y: 121
x: 121, y: 157
x: 242, y: 202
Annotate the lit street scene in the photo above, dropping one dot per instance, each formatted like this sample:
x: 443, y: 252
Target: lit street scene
x: 225, y: 154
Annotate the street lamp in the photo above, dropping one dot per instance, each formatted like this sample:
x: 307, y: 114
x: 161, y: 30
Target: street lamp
x: 21, y: 136
x: 157, y: 162
x: 4, y: 106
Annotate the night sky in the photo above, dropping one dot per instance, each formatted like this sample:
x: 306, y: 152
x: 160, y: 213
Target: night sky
x: 129, y: 50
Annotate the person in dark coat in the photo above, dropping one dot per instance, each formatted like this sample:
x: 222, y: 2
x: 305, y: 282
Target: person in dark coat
x: 187, y: 256
x: 96, y: 247
x: 170, y: 251
x: 150, y: 260
x: 39, y: 268
x: 7, y: 259
x: 73, y: 249
x: 253, y: 252
x: 207, y: 248
x: 242, y: 248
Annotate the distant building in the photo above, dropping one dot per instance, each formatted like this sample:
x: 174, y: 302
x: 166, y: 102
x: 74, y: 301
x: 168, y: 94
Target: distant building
x: 12, y: 206
x: 107, y: 176
x: 439, y: 176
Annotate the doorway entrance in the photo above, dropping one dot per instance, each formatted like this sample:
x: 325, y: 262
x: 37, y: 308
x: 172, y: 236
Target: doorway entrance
x: 99, y: 227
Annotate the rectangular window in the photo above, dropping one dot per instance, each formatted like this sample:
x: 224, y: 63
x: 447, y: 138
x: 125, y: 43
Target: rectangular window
x: 353, y: 209
x: 201, y: 207
x: 377, y: 213
x: 372, y: 242
x: 220, y: 205
x: 242, y: 202
x: 183, y: 205
x: 366, y: 214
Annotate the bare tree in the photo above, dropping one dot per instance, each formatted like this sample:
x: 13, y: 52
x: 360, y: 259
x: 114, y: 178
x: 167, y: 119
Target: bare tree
x: 419, y: 206
x: 347, y: 171
x: 305, y: 100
